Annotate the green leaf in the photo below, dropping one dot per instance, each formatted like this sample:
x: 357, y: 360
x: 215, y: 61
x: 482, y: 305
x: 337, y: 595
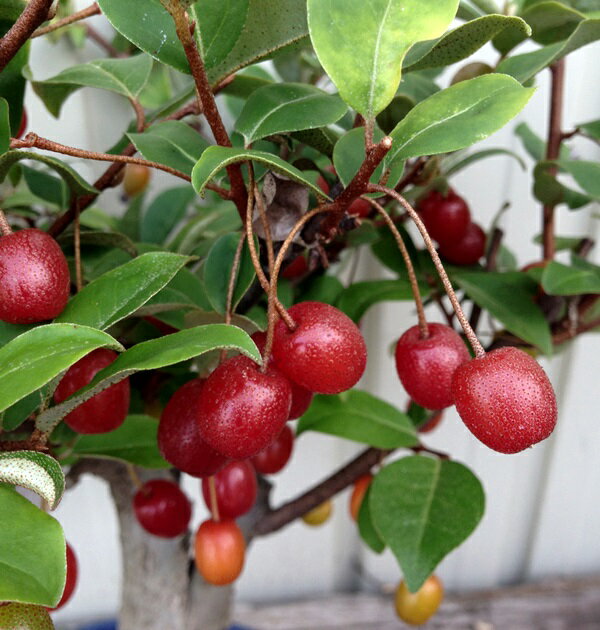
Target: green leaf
x: 549, y: 190
x: 134, y: 442
x: 164, y: 213
x: 360, y: 417
x: 5, y: 133
x: 215, y: 159
x: 45, y: 186
x: 151, y: 355
x: 362, y: 45
x: 323, y: 289
x: 118, y: 293
x: 463, y: 41
x: 12, y: 81
x: 586, y: 174
x: 111, y: 240
x: 173, y: 143
x: 481, y: 155
x: 423, y: 508
x: 123, y: 76
x: 287, y: 107
x: 559, y: 279
x: 365, y: 525
x: 12, y: 615
x: 217, y: 271
x: 551, y: 21
x: 37, y: 472
x: 15, y: 415
x: 10, y: 10
x: 509, y: 298
x: 592, y: 128
x: 10, y: 331
x: 74, y: 181
x: 37, y: 356
x: 360, y: 296
x: 458, y: 116
x: 32, y: 552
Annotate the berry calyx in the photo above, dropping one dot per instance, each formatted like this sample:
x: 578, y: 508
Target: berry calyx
x: 15, y: 616
x: 236, y: 489
x: 319, y: 515
x: 179, y: 438
x: 241, y: 409
x: 106, y: 410
x: 273, y: 459
x: 136, y: 179
x: 446, y: 217
x: 417, y: 608
x: 162, y: 508
x: 71, y: 580
x: 467, y: 250
x: 505, y: 399
x: 425, y: 366
x: 359, y: 490
x: 326, y: 353
x: 220, y: 551
x: 34, y: 277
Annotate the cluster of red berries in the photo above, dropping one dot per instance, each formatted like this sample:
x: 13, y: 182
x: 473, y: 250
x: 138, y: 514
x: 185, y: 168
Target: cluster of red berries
x: 448, y: 221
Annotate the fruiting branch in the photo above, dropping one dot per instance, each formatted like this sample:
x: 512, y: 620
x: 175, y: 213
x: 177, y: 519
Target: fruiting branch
x: 4, y: 226
x: 93, y: 9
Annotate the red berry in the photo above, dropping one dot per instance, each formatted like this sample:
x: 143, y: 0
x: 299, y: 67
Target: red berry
x: 322, y: 182
x: 505, y: 399
x: 22, y: 125
x: 179, y: 437
x: 241, y: 409
x: 426, y: 366
x: 326, y: 353
x: 220, y: 550
x: 162, y: 508
x: 359, y: 490
x: 466, y: 251
x: 71, y: 581
x: 297, y: 268
x: 360, y: 208
x: 106, y: 410
x: 432, y: 423
x: 273, y: 459
x: 34, y: 277
x: 236, y: 489
x: 445, y: 217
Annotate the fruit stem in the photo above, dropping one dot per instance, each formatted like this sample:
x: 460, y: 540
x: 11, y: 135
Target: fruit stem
x: 214, y: 505
x: 260, y: 202
x: 235, y: 265
x: 4, y: 226
x: 135, y: 478
x: 93, y: 9
x: 464, y: 322
x: 414, y: 284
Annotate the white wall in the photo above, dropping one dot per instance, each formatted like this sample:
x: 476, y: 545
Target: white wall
x: 542, y: 517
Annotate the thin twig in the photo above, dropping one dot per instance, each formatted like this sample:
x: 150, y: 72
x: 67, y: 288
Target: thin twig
x: 95, y: 36
x: 93, y: 9
x: 140, y: 114
x: 4, y: 226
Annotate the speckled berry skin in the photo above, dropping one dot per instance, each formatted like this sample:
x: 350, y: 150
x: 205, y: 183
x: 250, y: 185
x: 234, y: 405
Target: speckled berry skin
x: 426, y: 366
x: 24, y: 617
x: 325, y: 354
x: 466, y: 251
x: 236, y: 489
x: 106, y: 410
x: 445, y: 217
x: 34, y: 277
x: 241, y: 409
x: 179, y: 437
x: 505, y: 399
x: 71, y: 581
x: 162, y: 508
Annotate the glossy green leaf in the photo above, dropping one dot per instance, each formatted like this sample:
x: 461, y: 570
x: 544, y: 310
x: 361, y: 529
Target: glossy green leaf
x: 5, y: 133
x: 462, y: 42
x: 215, y: 159
x: 10, y: 331
x: 45, y: 186
x: 586, y: 174
x: 360, y: 417
x: 559, y: 279
x: 217, y: 272
x: 123, y: 76
x: 592, y: 128
x: 10, y: 10
x: 172, y: 143
x: 365, y: 525
x: 423, y: 508
x: 362, y: 44
x: 551, y: 21
x: 109, y: 240
x: 118, y: 293
x: 466, y: 161
x: 37, y: 356
x: 134, y: 442
x: 12, y: 615
x: 509, y: 298
x: 12, y: 81
x: 164, y: 213
x: 16, y: 414
x: 154, y: 354
x: 32, y: 552
x: 360, y: 296
x: 287, y: 107
x: 323, y: 289
x: 549, y: 190
x: 458, y: 117
x: 37, y: 472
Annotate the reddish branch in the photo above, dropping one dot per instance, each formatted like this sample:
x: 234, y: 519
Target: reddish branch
x: 33, y: 15
x: 93, y: 9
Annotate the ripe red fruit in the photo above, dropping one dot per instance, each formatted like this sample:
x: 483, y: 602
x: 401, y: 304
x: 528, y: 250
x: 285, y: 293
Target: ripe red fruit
x: 445, y: 217
x: 505, y: 399
x: 360, y: 208
x: 359, y: 490
x: 136, y: 179
x: 162, y: 508
x: 241, y: 409
x: 220, y: 550
x: 426, y: 366
x: 236, y: 489
x: 106, y: 410
x: 179, y: 437
x: 273, y: 459
x: 71, y: 581
x: 322, y: 182
x: 22, y: 125
x: 466, y: 251
x: 326, y: 353
x: 34, y: 277
x: 297, y: 268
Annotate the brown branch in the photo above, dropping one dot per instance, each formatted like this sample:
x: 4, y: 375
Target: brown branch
x: 140, y: 114
x: 33, y: 15
x: 567, y: 335
x: 95, y: 36
x: 93, y: 9
x: 5, y: 229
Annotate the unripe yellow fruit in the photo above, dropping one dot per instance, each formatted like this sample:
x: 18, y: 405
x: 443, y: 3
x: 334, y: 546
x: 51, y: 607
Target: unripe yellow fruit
x: 319, y: 515
x: 417, y: 608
